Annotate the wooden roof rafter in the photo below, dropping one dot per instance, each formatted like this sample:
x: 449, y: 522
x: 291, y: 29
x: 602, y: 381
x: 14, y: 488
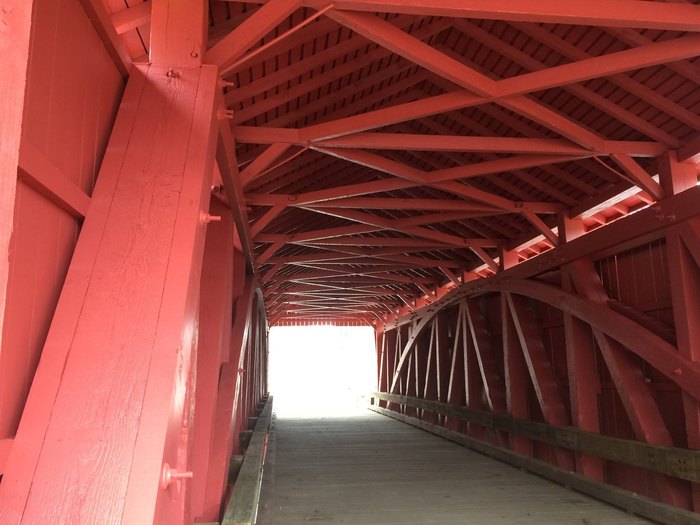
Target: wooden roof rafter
x: 409, y: 133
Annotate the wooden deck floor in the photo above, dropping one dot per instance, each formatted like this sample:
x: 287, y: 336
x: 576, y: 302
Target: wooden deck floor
x: 374, y: 470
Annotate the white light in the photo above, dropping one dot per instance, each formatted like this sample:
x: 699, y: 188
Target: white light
x: 321, y: 371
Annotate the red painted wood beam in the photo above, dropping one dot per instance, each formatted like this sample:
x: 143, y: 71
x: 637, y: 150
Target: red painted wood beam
x: 442, y: 179
x: 178, y: 32
x: 228, y: 170
x: 136, y: 219
x: 625, y: 82
x: 229, y: 411
x: 623, y: 234
x: 232, y: 47
x: 15, y: 40
x: 494, y: 389
x: 616, y: 13
x: 690, y: 151
x: 104, y: 27
x: 584, y: 388
x: 613, y: 63
x: 215, y: 311
x: 647, y: 345
x: 516, y: 374
x: 683, y: 258
x: 45, y: 177
x: 529, y: 62
x: 540, y: 370
x: 639, y: 176
x: 372, y: 59
x: 456, y: 376
x: 396, y: 225
x: 388, y: 35
x: 455, y: 143
x: 131, y: 17
x: 262, y: 163
x: 635, y: 393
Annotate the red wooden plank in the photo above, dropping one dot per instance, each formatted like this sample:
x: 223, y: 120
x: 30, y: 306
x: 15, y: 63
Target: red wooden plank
x: 484, y: 352
x: 43, y: 175
x: 229, y: 412
x: 14, y: 44
x: 178, y: 32
x: 102, y: 22
x: 215, y: 310
x: 41, y: 400
x: 515, y: 376
x: 80, y: 317
x: 584, y: 384
x: 229, y: 49
x: 617, y: 13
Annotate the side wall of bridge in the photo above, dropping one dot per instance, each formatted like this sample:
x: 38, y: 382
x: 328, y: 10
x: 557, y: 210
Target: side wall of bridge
x: 596, y: 339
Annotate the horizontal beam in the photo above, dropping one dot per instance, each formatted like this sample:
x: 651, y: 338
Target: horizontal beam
x: 455, y: 143
x: 604, y: 13
x: 131, y: 17
x: 679, y: 463
x: 371, y: 203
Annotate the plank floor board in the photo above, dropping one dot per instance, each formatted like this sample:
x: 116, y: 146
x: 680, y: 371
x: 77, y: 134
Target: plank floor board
x: 371, y: 470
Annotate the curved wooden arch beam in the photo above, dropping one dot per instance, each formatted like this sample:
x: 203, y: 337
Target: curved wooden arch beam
x: 653, y: 349
x: 407, y: 351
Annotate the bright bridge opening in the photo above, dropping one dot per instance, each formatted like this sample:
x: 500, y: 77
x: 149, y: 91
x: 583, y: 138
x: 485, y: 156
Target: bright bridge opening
x: 317, y: 371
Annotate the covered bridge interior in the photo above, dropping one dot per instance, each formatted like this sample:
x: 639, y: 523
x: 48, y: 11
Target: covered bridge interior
x: 506, y: 191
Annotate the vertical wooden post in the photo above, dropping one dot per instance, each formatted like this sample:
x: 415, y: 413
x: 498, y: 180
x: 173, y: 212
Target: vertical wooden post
x: 584, y: 384
x: 684, y: 274
x: 215, y: 305
x: 178, y: 32
x: 516, y: 377
x: 16, y: 21
x: 110, y: 393
x: 228, y: 417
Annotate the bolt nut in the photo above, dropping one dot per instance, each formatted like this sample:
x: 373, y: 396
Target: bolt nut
x: 170, y: 475
x: 205, y: 218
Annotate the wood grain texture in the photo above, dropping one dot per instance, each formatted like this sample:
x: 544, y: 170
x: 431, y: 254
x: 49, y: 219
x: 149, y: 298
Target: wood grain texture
x: 72, y: 94
x: 242, y: 507
x: 677, y: 462
x: 109, y: 401
x: 371, y: 469
x: 630, y: 501
x: 15, y: 20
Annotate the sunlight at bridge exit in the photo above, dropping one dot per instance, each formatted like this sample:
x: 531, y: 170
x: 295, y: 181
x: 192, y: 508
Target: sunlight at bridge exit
x: 317, y: 371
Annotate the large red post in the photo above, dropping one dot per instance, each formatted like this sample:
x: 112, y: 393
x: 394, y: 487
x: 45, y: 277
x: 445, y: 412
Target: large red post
x: 14, y: 47
x: 108, y: 370
x: 684, y: 272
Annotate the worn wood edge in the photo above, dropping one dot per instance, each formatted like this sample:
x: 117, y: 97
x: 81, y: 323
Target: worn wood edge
x: 234, y: 467
x: 676, y: 462
x: 629, y: 501
x: 242, y: 507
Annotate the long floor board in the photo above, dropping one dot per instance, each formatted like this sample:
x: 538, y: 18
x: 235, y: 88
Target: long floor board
x: 372, y: 470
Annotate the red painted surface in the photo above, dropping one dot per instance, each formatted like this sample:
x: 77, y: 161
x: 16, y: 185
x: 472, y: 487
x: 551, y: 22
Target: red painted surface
x: 66, y: 125
x: 451, y: 175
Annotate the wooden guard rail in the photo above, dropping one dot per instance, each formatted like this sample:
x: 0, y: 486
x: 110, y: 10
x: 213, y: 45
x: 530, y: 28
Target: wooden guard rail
x: 242, y: 507
x: 680, y: 463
